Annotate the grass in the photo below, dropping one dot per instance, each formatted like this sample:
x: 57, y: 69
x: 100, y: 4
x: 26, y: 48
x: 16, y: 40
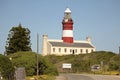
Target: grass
x: 41, y: 77
x: 107, y: 72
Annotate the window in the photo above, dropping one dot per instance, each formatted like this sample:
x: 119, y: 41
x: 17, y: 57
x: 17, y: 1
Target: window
x: 86, y: 50
x: 65, y: 50
x: 59, y: 49
x: 70, y: 50
x: 81, y: 51
x: 91, y: 50
x: 53, y: 49
x: 76, y: 50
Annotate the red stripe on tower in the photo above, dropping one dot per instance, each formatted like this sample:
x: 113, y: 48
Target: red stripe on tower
x: 67, y: 23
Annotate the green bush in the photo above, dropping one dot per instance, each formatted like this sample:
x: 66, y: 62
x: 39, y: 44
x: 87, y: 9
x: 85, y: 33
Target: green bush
x: 6, y: 68
x: 51, y: 69
x: 114, y: 63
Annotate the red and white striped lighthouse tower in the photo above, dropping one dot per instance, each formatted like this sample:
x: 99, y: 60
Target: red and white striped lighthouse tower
x: 67, y: 25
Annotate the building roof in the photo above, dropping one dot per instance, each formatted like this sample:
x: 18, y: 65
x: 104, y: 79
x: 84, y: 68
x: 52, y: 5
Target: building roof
x: 76, y: 44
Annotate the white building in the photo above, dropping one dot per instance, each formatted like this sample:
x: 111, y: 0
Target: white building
x: 67, y: 45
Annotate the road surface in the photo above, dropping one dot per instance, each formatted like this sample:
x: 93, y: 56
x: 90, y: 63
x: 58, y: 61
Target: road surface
x: 88, y: 77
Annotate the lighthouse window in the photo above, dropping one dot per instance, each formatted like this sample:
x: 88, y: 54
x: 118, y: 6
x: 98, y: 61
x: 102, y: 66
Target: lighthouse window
x: 53, y: 49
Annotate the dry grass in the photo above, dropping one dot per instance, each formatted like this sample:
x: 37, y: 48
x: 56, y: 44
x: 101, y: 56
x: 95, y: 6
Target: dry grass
x: 107, y: 72
x: 41, y: 77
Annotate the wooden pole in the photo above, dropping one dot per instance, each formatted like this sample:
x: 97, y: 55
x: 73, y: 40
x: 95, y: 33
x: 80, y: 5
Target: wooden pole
x: 37, y: 53
x: 119, y: 50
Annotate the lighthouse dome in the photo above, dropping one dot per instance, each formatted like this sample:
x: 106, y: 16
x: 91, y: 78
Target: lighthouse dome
x: 67, y: 10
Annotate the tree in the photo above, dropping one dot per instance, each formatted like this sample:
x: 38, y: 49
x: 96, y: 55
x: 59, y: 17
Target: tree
x: 18, y: 40
x: 6, y: 68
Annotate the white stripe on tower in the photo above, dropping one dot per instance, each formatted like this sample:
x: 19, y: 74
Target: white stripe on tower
x: 67, y: 33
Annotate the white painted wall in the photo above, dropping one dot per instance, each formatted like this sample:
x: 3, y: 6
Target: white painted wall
x: 70, y: 50
x: 44, y: 45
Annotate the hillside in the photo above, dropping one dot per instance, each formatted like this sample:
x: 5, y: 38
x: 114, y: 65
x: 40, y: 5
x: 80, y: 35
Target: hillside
x: 107, y: 61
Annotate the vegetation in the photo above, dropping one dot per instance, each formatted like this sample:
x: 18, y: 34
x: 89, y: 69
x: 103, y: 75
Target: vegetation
x: 18, y: 40
x: 114, y: 62
x: 108, y: 61
x: 6, y: 68
x: 41, y: 77
x: 29, y: 61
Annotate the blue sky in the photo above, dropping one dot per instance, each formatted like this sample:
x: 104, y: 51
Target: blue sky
x: 99, y: 19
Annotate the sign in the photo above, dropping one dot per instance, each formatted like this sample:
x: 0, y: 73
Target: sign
x: 20, y: 73
x: 67, y: 65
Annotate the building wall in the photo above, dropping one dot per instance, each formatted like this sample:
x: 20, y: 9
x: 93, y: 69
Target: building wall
x: 70, y: 50
x: 49, y: 48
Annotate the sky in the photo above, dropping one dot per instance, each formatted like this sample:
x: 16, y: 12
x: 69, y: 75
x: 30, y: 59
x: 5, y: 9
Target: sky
x: 99, y: 19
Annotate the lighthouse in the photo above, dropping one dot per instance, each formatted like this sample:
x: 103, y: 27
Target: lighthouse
x: 67, y: 27
x: 67, y: 45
